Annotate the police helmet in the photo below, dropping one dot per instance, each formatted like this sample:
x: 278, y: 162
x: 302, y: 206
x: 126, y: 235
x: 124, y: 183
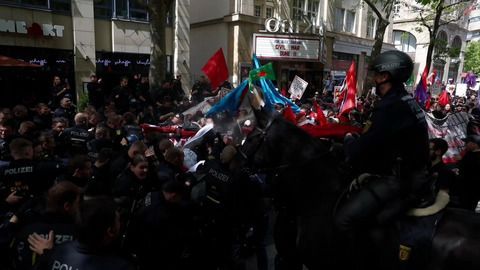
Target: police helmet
x: 132, y: 138
x: 397, y: 63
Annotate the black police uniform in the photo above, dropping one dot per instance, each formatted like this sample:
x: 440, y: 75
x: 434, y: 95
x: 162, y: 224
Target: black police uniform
x: 62, y: 226
x: 396, y: 147
x: 29, y: 178
x: 74, y: 255
x: 76, y: 139
x: 395, y: 142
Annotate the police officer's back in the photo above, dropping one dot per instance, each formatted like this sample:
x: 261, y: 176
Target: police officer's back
x: 62, y: 205
x: 77, y: 137
x: 98, y: 227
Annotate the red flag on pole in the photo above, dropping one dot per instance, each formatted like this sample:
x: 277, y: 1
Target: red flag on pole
x: 444, y: 98
x: 216, y: 69
x: 350, y: 100
x: 320, y: 117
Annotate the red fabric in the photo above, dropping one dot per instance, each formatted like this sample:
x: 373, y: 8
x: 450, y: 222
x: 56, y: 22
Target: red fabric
x: 424, y: 77
x: 428, y: 104
x: 289, y: 115
x: 6, y: 61
x: 216, y: 69
x: 174, y: 130
x: 284, y: 92
x: 351, y: 94
x: 331, y: 130
x: 320, y: 117
x: 444, y: 98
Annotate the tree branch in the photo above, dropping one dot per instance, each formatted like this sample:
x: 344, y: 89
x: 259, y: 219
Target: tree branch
x: 375, y: 10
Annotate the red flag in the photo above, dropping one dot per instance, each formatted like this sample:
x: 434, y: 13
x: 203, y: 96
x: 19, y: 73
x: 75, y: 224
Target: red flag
x: 320, y: 118
x: 444, y: 98
x: 289, y: 115
x: 216, y: 69
x: 350, y: 100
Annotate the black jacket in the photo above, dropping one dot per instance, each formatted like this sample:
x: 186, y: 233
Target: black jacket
x: 397, y: 129
x: 73, y: 255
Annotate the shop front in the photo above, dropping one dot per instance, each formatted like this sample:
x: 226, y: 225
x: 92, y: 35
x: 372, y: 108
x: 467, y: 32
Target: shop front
x: 31, y: 85
x: 112, y: 66
x: 292, y: 55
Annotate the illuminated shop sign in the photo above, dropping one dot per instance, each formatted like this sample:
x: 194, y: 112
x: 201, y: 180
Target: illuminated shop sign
x: 287, y: 48
x: 35, y: 29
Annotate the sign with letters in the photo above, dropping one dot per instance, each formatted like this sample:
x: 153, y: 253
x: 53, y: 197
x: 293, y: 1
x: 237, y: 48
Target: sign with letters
x: 287, y: 48
x: 297, y: 88
x: 35, y: 29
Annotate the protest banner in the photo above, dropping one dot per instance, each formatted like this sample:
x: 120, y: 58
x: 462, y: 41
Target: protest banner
x: 452, y: 129
x: 461, y: 90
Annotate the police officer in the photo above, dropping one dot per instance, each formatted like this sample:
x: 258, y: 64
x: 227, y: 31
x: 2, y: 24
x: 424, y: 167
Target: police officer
x: 98, y: 227
x: 62, y: 205
x: 77, y: 137
x: 395, y: 146
x: 24, y: 178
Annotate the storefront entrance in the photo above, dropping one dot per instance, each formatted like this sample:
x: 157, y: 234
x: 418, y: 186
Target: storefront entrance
x: 29, y: 86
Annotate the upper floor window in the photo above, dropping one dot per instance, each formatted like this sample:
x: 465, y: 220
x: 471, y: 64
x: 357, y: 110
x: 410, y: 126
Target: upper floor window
x: 396, y: 8
x: 258, y: 11
x: 344, y: 20
x: 404, y: 41
x: 269, y: 12
x: 298, y: 9
x: 122, y: 9
x: 55, y: 5
x: 371, y: 26
x: 312, y: 10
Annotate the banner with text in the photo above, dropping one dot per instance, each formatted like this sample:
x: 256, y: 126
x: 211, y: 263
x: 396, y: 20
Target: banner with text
x: 452, y: 129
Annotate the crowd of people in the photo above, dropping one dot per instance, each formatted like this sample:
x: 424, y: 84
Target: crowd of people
x: 91, y: 189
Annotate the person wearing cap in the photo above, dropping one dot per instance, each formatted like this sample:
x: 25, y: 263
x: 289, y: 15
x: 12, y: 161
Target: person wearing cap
x: 468, y: 167
x: 394, y: 146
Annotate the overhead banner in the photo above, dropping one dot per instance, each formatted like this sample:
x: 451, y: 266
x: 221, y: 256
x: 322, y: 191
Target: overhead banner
x: 286, y: 47
x: 452, y: 129
x: 297, y: 88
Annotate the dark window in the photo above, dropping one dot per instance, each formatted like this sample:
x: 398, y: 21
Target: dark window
x: 61, y: 5
x: 103, y: 9
x: 138, y: 10
x: 121, y: 9
x: 35, y: 3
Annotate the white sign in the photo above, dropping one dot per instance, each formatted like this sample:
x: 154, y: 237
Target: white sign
x: 297, y: 88
x: 275, y: 47
x: 20, y: 27
x: 461, y: 90
x: 274, y: 25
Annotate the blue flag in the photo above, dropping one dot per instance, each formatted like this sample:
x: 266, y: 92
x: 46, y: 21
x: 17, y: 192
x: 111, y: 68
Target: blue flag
x: 421, y: 93
x: 270, y: 93
x: 231, y: 102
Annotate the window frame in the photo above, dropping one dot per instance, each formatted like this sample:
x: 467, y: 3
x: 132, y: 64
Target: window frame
x: 402, y: 45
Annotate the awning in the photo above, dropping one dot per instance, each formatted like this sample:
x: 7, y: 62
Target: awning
x: 6, y: 61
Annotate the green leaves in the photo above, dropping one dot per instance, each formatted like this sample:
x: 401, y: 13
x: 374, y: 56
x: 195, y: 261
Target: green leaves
x: 472, y: 57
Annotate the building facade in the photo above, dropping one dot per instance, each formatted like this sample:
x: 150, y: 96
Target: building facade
x: 76, y: 38
x: 410, y: 37
x: 308, y: 38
